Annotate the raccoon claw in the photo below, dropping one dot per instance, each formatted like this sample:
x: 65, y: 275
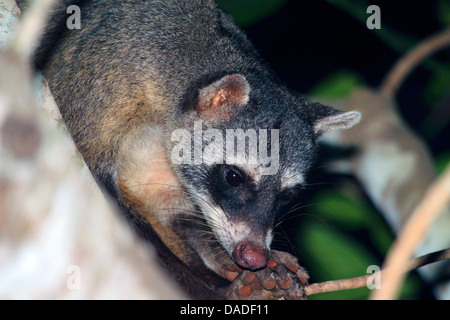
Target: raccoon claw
x: 283, y: 278
x: 280, y: 259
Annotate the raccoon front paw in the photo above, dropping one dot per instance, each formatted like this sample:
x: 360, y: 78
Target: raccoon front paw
x: 283, y: 278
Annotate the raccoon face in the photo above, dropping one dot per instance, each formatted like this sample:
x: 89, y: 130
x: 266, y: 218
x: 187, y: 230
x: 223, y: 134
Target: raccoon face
x: 241, y: 206
x: 247, y: 205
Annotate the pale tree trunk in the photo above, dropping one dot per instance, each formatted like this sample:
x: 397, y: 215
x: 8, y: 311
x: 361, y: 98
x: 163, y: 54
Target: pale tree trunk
x: 59, y: 238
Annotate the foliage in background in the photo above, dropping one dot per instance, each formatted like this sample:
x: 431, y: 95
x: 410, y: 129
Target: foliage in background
x: 341, y: 236
x: 337, y: 85
x: 443, y: 12
x: 439, y: 85
x: 347, y: 232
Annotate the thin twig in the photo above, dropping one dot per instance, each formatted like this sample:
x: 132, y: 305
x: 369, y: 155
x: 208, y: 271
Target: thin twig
x: 408, y: 62
x: 359, y: 282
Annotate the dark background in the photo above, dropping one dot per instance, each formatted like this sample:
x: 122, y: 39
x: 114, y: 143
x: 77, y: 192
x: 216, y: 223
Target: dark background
x: 304, y: 41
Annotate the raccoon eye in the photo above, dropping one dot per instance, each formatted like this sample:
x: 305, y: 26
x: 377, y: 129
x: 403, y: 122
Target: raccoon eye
x: 233, y: 178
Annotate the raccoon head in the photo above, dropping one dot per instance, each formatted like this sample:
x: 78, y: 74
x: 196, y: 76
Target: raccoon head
x: 243, y: 155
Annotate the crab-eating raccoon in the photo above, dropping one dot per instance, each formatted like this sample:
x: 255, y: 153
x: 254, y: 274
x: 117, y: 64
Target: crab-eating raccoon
x: 180, y: 119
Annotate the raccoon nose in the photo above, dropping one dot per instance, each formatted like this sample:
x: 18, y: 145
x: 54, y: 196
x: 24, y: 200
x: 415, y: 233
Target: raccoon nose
x: 249, y: 256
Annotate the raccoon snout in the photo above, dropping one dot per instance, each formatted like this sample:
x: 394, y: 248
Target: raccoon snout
x: 250, y: 256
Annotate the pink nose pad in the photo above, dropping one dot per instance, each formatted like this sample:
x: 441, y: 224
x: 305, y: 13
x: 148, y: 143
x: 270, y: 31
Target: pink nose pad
x: 249, y: 256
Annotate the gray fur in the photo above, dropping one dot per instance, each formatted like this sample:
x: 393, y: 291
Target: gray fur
x: 136, y: 64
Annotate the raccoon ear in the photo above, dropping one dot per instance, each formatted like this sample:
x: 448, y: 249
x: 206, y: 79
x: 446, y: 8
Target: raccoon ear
x: 221, y: 98
x: 327, y: 118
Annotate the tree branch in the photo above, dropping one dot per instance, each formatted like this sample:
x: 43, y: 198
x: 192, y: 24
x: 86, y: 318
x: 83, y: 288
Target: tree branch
x: 360, y: 282
x: 410, y: 61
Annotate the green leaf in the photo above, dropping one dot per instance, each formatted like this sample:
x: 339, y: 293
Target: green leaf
x: 336, y: 86
x: 353, y: 213
x: 246, y: 12
x: 443, y: 12
x: 439, y: 85
x: 333, y: 255
x: 442, y: 161
x: 410, y: 288
x: 339, y: 208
